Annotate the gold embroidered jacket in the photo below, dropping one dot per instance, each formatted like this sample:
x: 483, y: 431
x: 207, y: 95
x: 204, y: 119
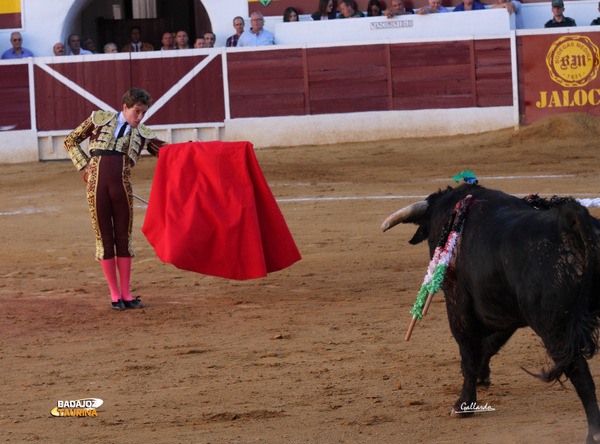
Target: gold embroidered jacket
x: 100, y: 127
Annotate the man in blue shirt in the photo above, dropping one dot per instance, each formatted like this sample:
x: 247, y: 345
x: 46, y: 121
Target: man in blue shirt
x: 257, y: 36
x: 17, y: 51
x: 469, y: 5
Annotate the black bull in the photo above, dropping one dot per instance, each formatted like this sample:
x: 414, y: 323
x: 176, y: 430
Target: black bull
x: 518, y: 264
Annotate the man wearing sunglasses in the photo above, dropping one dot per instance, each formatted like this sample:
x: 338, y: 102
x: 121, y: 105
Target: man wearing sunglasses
x: 17, y: 51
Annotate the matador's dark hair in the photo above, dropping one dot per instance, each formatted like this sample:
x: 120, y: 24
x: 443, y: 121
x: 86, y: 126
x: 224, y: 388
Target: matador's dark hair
x: 136, y: 95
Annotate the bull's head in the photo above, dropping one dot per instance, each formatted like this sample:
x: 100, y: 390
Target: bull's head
x: 431, y: 214
x: 414, y: 213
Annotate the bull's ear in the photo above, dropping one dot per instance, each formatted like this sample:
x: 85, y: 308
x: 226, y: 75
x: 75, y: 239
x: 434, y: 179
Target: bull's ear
x: 419, y: 236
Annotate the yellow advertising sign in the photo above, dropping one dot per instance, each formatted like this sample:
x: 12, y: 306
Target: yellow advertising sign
x: 10, y: 6
x: 573, y: 61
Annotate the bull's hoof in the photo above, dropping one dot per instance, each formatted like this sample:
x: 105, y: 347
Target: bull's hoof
x: 593, y: 437
x: 460, y: 413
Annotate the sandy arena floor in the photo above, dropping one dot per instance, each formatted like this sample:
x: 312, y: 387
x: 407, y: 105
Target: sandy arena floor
x: 314, y: 353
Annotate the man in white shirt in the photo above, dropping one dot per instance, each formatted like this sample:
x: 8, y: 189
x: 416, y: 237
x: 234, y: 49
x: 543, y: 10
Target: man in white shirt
x: 434, y: 7
x: 257, y: 36
x: 75, y: 46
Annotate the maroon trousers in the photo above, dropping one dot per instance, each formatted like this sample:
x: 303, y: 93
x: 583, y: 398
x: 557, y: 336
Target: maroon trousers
x: 110, y: 200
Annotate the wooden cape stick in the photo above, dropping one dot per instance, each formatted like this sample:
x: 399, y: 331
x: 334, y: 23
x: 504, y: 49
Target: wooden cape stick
x: 410, y: 328
x: 413, y: 322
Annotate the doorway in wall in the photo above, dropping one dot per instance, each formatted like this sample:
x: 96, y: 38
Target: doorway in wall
x: 98, y: 18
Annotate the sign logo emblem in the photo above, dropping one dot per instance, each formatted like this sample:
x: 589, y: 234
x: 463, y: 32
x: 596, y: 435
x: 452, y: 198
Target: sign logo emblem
x: 264, y: 2
x: 573, y: 61
x: 78, y: 407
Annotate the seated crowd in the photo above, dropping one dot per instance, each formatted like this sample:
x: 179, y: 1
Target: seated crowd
x: 258, y: 36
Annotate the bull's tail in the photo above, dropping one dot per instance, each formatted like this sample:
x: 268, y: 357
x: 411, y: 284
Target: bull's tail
x: 582, y: 343
x: 580, y: 338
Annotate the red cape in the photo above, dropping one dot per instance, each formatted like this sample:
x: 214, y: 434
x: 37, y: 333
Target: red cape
x: 211, y: 211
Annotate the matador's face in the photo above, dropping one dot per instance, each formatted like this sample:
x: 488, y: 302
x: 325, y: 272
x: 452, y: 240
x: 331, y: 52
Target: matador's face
x: 135, y: 114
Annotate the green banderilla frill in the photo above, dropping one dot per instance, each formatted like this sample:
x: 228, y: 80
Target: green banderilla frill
x: 431, y: 287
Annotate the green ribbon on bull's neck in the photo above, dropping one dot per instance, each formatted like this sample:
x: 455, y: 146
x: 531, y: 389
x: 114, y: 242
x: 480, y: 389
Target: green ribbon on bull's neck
x: 467, y: 176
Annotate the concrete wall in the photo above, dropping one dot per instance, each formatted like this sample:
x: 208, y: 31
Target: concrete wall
x: 488, y: 22
x: 18, y: 146
x: 24, y: 146
x: 370, y: 126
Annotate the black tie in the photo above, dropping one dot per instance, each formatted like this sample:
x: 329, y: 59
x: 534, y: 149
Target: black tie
x: 122, y: 131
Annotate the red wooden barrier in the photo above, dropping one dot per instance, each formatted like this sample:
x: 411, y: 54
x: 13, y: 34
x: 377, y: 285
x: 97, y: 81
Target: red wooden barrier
x: 263, y: 83
x: 14, y: 105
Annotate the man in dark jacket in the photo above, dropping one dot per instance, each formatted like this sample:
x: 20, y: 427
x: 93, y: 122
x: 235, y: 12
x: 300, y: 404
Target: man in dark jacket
x: 559, y: 20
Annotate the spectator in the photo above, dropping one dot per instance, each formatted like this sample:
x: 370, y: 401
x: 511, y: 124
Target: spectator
x: 209, y: 38
x: 168, y: 42
x: 434, y: 7
x: 596, y: 21
x: 290, y: 15
x: 110, y: 48
x: 512, y: 7
x: 136, y: 44
x: 182, y: 41
x: 89, y: 44
x: 326, y: 11
x: 469, y: 5
x: 17, y: 51
x: 200, y: 42
x: 257, y: 36
x: 374, y: 8
x: 238, y: 24
x: 347, y: 10
x: 59, y: 49
x: 75, y: 46
x: 397, y: 8
x: 559, y: 20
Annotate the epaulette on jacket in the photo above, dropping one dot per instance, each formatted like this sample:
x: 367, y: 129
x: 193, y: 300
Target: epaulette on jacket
x: 146, y: 132
x: 102, y: 117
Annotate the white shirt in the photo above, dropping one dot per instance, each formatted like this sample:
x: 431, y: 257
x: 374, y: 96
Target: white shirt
x: 122, y: 122
x: 83, y: 52
x: 264, y: 37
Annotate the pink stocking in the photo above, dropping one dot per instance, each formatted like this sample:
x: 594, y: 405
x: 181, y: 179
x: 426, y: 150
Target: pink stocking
x: 124, y: 266
x: 110, y: 271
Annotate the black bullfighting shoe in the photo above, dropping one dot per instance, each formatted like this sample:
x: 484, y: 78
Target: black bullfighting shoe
x: 119, y: 305
x: 134, y: 303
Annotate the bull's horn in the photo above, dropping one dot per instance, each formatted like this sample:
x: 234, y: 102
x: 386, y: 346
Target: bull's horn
x: 416, y: 209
